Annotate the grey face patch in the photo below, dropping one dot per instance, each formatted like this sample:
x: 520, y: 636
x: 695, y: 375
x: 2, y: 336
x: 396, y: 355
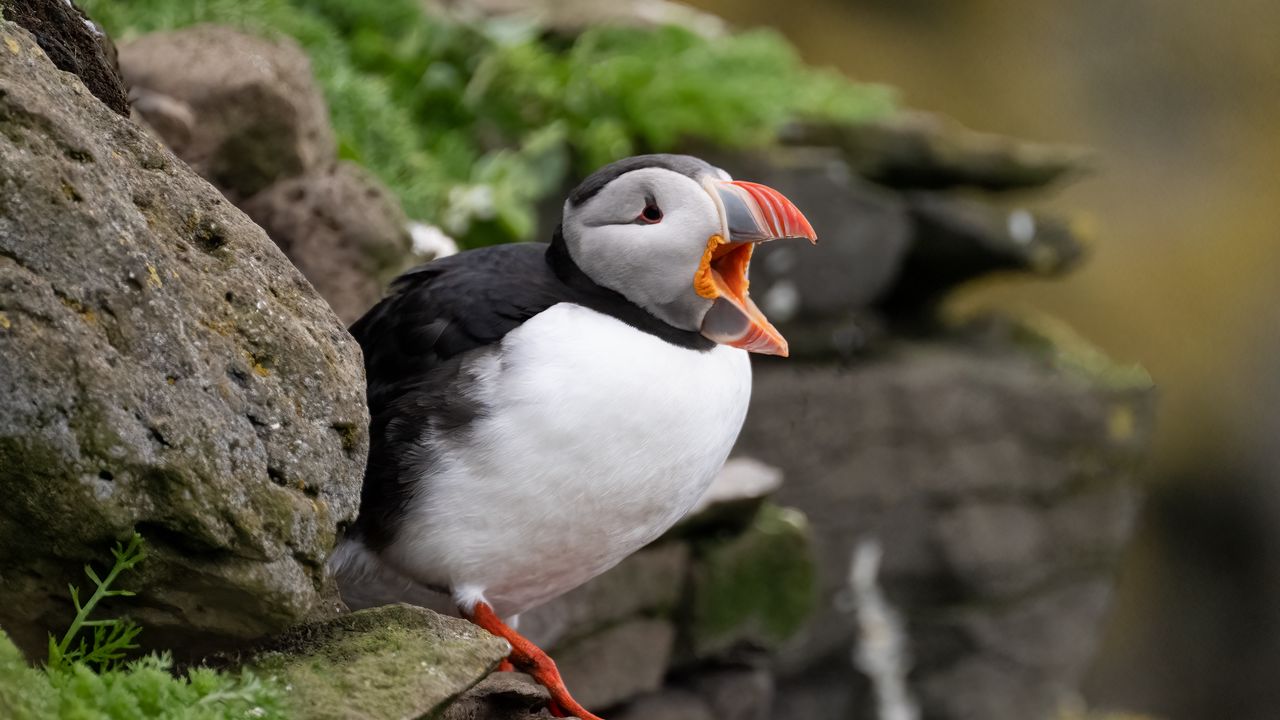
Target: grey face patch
x: 686, y: 165
x: 651, y: 264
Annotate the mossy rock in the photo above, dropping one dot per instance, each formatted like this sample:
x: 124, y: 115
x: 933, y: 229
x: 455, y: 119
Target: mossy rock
x: 756, y: 589
x: 397, y: 661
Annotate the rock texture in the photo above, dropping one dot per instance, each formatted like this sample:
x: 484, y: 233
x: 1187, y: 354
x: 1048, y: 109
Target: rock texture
x: 74, y: 44
x: 164, y: 369
x: 396, y: 661
x: 617, y: 664
x: 342, y: 229
x: 501, y: 696
x: 241, y: 110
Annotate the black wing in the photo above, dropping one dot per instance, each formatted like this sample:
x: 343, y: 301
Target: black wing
x: 440, y: 310
x: 415, y: 343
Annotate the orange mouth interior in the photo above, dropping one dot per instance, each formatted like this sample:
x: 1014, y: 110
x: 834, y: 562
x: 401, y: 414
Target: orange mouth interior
x: 723, y: 270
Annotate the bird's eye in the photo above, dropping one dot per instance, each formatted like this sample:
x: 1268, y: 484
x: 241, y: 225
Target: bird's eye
x: 651, y: 215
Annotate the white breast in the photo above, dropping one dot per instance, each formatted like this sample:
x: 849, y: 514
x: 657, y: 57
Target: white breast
x: 598, y: 438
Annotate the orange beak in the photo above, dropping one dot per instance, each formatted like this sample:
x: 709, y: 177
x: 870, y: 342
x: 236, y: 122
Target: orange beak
x: 750, y: 213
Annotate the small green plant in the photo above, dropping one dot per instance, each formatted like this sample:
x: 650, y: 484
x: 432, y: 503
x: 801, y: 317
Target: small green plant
x: 112, y: 638
x: 86, y: 675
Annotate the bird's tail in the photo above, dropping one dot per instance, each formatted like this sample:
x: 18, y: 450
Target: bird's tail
x: 365, y: 580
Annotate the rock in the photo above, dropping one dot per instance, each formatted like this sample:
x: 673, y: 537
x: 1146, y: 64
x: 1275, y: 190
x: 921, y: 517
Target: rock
x: 954, y: 241
x: 917, y: 150
x: 752, y: 590
x: 648, y: 582
x: 826, y: 690
x: 994, y: 468
x: 734, y: 497
x: 1019, y: 661
x: 397, y: 661
x: 75, y: 44
x: 258, y: 116
x: 668, y: 704
x: 342, y: 228
x: 165, y: 370
x: 818, y: 296
x: 744, y: 693
x: 617, y: 664
x: 501, y: 696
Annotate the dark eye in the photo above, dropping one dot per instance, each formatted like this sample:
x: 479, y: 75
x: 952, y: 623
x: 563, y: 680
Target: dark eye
x: 651, y: 215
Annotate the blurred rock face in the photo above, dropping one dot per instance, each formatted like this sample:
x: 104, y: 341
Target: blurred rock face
x: 246, y: 114
x: 164, y: 369
x: 997, y: 486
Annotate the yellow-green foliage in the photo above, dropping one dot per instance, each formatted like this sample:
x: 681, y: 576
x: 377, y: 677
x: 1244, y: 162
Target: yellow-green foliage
x: 84, y: 678
x: 473, y: 123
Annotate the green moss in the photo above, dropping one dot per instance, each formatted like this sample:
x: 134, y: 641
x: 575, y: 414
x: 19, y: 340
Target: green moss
x: 472, y: 123
x: 24, y: 691
x: 757, y: 588
x: 395, y: 661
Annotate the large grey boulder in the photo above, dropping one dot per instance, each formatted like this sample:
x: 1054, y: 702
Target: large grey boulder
x: 164, y: 369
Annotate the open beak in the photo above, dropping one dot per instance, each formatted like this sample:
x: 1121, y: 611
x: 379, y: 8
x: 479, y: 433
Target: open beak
x: 749, y: 213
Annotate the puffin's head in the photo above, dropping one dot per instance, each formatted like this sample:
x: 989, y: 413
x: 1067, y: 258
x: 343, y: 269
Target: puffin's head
x: 674, y: 235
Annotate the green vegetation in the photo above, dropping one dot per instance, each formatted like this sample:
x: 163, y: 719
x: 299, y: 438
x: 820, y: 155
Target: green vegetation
x: 473, y: 123
x: 86, y: 677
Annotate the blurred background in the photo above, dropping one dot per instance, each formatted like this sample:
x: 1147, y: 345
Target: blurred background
x: 1180, y: 100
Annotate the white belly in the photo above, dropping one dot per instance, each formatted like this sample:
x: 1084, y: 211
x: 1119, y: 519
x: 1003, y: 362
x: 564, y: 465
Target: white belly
x: 599, y: 437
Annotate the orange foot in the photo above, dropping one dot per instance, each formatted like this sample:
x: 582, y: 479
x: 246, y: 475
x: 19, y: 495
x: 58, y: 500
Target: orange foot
x: 529, y: 657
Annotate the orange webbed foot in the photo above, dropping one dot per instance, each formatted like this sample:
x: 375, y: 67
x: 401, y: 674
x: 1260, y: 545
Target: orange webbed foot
x: 530, y: 658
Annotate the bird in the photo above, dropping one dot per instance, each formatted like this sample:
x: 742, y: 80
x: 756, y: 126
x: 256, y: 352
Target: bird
x: 539, y: 411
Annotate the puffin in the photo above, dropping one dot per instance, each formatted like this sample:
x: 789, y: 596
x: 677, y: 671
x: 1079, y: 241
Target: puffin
x: 540, y: 411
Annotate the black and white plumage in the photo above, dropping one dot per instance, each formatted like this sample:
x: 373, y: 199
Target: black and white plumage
x: 541, y: 411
